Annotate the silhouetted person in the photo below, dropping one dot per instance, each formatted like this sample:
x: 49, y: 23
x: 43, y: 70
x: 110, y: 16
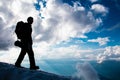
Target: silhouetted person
x: 26, y: 42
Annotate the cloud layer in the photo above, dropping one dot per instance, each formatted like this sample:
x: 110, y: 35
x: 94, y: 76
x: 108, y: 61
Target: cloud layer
x: 85, y: 72
x: 62, y: 21
x: 99, y: 9
x: 101, y: 41
x: 109, y: 53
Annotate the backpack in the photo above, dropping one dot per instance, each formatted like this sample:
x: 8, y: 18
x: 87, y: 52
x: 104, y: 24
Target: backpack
x: 19, y: 29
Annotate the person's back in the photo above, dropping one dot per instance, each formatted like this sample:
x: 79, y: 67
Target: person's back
x: 27, y: 34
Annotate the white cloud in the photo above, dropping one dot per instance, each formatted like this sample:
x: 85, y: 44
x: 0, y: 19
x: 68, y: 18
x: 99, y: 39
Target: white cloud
x: 101, y: 41
x: 85, y: 71
x: 6, y: 38
x: 9, y: 56
x: 93, y: 1
x: 70, y: 52
x: 62, y: 21
x: 109, y: 53
x: 98, y: 8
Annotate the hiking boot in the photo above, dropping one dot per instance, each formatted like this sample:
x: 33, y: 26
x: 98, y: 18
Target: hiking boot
x: 34, y: 67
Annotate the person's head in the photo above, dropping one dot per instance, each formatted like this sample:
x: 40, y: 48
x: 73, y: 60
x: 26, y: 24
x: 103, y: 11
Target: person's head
x: 30, y: 20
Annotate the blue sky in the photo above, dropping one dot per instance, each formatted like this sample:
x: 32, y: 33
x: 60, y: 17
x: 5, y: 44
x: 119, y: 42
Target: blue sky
x: 82, y: 29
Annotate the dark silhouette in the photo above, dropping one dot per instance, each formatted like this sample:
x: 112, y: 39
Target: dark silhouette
x: 24, y: 31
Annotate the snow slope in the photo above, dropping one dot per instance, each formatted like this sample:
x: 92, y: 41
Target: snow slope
x: 10, y: 72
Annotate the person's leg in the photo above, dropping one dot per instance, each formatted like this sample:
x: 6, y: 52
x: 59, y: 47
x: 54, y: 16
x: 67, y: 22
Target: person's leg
x: 31, y: 56
x: 20, y: 58
x: 32, y: 59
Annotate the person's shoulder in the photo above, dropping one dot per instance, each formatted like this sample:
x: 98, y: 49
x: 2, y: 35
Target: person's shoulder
x: 20, y: 22
x: 26, y: 24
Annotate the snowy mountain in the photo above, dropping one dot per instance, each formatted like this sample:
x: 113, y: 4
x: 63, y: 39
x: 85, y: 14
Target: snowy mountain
x: 10, y: 72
